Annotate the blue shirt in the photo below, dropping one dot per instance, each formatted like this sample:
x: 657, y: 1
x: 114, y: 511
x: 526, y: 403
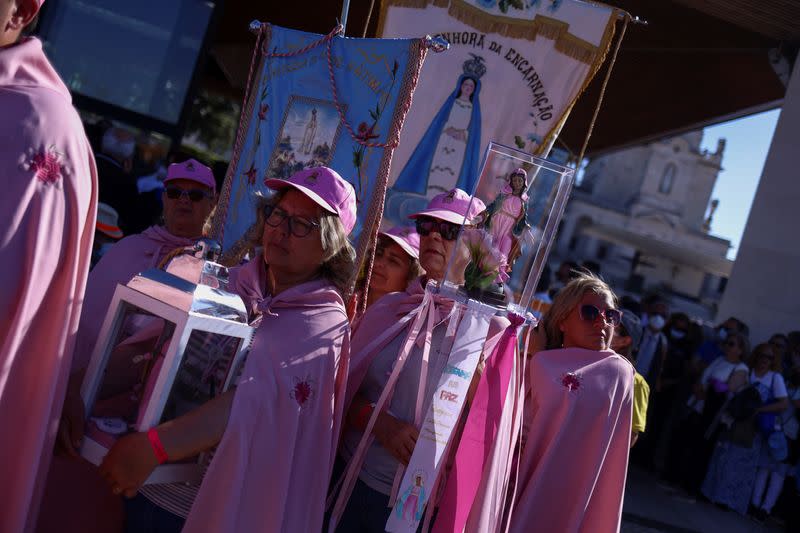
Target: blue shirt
x: 380, y: 467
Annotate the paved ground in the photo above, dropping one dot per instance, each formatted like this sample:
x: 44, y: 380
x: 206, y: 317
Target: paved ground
x: 652, y: 508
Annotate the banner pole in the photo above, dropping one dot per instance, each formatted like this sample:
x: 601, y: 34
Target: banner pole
x: 625, y: 21
x: 345, y: 10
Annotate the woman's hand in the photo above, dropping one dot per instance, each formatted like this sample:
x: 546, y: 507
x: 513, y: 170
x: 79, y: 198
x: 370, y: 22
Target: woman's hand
x: 128, y: 464
x: 397, y: 437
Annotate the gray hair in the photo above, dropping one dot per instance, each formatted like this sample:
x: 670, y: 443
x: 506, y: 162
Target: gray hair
x: 339, y: 256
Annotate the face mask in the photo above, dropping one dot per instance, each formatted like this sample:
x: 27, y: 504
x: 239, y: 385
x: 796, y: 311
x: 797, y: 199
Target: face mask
x: 657, y: 322
x: 722, y: 334
x: 677, y: 334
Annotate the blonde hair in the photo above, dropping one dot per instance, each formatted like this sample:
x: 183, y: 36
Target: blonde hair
x: 566, y: 300
x: 339, y: 256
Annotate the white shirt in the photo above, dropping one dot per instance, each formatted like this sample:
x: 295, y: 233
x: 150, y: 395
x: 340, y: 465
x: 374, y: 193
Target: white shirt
x: 778, y: 385
x: 720, y: 369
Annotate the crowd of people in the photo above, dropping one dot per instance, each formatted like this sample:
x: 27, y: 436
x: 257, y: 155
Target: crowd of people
x: 721, y: 423
x: 327, y: 410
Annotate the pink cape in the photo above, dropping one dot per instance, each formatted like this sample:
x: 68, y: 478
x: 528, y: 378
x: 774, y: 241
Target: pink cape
x: 574, y: 458
x: 271, y: 470
x: 48, y: 205
x: 124, y: 260
x: 383, y: 316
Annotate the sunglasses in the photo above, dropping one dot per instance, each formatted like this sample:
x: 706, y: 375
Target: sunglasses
x: 589, y: 313
x: 731, y: 344
x: 298, y: 226
x: 447, y: 230
x: 195, y: 195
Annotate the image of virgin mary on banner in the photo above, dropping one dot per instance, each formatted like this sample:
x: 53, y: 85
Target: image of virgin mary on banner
x: 451, y: 147
x: 513, y: 73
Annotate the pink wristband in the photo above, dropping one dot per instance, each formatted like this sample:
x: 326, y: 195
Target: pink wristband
x: 158, y: 448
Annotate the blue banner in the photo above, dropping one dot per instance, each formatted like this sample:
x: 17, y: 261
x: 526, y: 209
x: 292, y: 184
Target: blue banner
x: 318, y: 100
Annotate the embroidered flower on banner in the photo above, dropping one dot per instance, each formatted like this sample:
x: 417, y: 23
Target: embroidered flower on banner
x: 302, y: 391
x: 366, y: 133
x: 47, y: 165
x: 571, y: 381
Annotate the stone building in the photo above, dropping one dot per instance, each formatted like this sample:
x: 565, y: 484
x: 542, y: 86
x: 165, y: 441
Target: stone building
x: 644, y: 215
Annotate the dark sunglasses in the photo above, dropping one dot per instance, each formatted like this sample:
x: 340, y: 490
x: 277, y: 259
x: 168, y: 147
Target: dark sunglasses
x: 731, y: 344
x: 298, y: 226
x: 195, y: 195
x: 589, y: 313
x: 447, y: 230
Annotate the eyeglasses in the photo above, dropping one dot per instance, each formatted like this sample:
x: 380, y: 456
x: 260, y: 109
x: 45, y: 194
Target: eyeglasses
x: 195, y: 195
x: 731, y: 344
x: 447, y: 230
x: 765, y: 355
x: 589, y: 313
x: 298, y: 226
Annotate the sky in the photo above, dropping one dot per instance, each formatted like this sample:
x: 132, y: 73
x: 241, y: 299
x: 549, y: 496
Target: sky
x: 748, y: 141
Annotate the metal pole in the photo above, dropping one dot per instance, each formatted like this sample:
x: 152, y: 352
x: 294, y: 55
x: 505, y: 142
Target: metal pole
x: 345, y: 10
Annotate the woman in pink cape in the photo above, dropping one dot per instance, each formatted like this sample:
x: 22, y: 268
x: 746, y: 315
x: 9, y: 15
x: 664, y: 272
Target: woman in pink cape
x: 364, y: 504
x: 577, y: 433
x: 189, y: 198
x: 74, y: 488
x: 277, y: 431
x: 48, y: 207
x: 396, y: 265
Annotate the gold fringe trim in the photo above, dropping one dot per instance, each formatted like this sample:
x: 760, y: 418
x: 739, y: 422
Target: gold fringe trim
x: 549, y: 28
x: 605, y: 46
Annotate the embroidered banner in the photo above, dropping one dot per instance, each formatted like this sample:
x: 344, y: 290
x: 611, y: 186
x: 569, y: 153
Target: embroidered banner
x: 441, y: 419
x: 317, y: 100
x: 514, y: 70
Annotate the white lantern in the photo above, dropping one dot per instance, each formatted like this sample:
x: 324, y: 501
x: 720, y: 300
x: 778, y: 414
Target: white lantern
x: 167, y: 346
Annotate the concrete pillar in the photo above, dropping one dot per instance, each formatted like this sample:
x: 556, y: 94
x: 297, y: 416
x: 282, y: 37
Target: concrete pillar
x: 764, y: 287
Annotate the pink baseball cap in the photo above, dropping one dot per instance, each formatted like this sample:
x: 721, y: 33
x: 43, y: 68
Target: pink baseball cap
x: 327, y: 188
x: 192, y: 170
x: 406, y: 237
x: 453, y: 206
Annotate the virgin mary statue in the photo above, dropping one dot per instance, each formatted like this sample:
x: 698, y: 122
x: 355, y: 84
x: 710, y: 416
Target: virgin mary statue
x: 448, y: 154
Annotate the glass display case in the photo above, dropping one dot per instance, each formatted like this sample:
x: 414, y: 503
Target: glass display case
x: 171, y: 341
x: 500, y: 254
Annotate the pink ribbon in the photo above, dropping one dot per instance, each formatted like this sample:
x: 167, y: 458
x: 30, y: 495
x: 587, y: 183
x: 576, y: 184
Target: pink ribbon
x: 479, y: 434
x: 423, y: 323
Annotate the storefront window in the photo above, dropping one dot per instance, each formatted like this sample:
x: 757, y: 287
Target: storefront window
x: 136, y: 55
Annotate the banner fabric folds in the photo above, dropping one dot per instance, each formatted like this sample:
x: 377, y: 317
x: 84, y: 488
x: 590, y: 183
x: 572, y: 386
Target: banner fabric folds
x: 317, y: 100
